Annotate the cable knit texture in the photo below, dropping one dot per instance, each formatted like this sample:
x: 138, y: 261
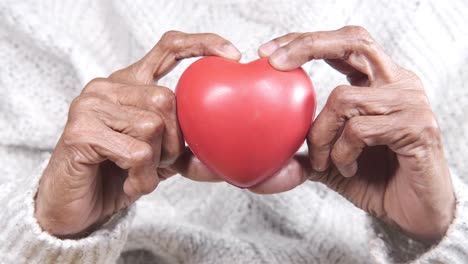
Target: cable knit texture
x: 50, y: 49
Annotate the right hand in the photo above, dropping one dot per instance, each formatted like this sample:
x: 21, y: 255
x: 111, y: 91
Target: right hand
x: 121, y: 138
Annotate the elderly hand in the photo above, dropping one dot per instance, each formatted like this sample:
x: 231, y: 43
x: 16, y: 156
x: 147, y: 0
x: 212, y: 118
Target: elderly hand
x: 376, y: 141
x: 122, y: 137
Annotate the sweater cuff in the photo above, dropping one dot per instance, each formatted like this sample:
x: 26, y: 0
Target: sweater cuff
x: 387, y: 245
x: 23, y: 241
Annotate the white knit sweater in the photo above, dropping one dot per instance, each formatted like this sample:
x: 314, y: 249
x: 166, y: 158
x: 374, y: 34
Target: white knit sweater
x: 50, y: 49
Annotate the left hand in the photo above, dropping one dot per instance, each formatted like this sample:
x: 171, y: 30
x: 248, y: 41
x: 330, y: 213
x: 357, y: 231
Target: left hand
x: 376, y: 141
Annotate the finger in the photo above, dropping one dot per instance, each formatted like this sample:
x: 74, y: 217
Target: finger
x: 171, y: 48
x: 143, y: 125
x: 189, y: 166
x: 271, y: 46
x: 346, y: 102
x: 135, y: 122
x: 157, y: 99
x: 130, y: 154
x: 143, y: 179
x: 351, y: 44
x: 401, y: 132
x: 129, y: 137
x: 358, y: 133
x: 296, y: 171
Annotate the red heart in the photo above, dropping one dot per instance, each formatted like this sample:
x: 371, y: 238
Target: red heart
x: 244, y: 121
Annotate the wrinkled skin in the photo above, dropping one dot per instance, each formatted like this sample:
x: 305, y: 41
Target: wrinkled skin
x: 121, y: 139
x: 376, y: 142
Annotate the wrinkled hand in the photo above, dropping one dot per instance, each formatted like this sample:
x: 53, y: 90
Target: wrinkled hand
x: 122, y: 137
x: 376, y: 141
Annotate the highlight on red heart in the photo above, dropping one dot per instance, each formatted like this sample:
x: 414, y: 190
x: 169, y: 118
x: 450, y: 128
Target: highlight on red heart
x: 244, y: 121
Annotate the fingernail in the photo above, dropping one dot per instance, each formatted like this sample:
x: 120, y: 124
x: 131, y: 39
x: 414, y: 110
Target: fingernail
x: 231, y: 50
x: 279, y: 58
x: 268, y: 48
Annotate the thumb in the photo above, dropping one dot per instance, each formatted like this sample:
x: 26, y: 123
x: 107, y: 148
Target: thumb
x: 173, y: 47
x: 294, y: 173
x: 189, y: 166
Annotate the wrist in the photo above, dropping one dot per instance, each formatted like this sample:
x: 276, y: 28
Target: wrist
x: 47, y: 218
x: 56, y: 225
x: 436, y: 224
x: 51, y: 214
x: 443, y: 223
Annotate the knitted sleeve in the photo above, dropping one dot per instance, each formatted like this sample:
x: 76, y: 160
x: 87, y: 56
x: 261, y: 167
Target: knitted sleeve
x: 388, y: 245
x: 23, y: 241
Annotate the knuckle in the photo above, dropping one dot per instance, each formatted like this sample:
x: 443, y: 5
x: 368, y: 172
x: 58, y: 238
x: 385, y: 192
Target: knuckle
x: 366, y: 43
x: 70, y: 136
x: 308, y: 39
x: 75, y: 104
x: 171, y: 34
x: 143, y: 154
x: 429, y: 132
x: 83, y: 102
x: 164, y: 99
x: 424, y: 132
x: 95, y: 85
x: 376, y: 108
x: 340, y: 95
x: 362, y: 37
x: 172, y: 39
x: 78, y: 104
x: 343, y: 100
x: 356, y: 31
x: 317, y: 143
x: 81, y: 123
x: 73, y: 135
x: 151, y: 124
x: 353, y: 128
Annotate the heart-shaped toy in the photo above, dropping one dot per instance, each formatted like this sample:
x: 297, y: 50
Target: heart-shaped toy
x: 244, y: 121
